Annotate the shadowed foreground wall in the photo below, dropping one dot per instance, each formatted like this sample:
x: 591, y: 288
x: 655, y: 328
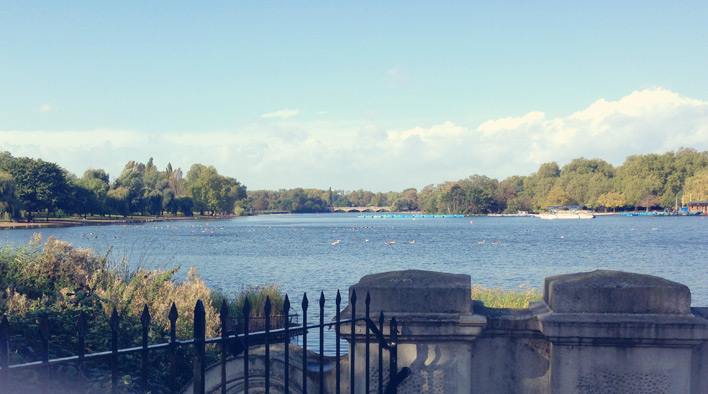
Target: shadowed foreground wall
x: 594, y: 332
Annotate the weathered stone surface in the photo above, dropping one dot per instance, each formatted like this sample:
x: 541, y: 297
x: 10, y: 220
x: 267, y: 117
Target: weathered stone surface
x: 605, y: 291
x: 414, y: 291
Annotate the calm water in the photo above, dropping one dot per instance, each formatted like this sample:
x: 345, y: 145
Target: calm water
x: 296, y: 251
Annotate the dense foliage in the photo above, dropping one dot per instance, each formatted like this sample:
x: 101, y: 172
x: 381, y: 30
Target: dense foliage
x: 60, y: 281
x: 29, y: 186
x: 653, y: 181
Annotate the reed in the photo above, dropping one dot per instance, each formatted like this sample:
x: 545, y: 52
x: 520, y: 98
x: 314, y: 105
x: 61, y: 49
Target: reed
x: 500, y: 298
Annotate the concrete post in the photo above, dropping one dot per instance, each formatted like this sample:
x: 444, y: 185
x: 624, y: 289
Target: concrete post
x: 618, y: 332
x: 436, y: 327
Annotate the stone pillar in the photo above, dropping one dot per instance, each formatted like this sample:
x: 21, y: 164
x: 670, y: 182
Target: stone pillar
x: 617, y: 332
x: 435, y: 324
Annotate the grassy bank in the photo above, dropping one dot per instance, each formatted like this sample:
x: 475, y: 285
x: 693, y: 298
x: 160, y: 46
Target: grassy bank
x: 499, y: 298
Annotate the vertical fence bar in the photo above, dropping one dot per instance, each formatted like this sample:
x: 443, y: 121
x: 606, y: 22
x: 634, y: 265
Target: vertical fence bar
x: 352, y: 356
x: 286, y: 342
x: 199, y: 347
x: 338, y: 318
x: 4, y: 351
x: 81, y: 328
x: 381, y: 326
x: 305, y: 304
x: 266, y: 310
x: 44, y: 335
x: 246, y: 317
x: 172, y: 349
x: 322, y: 304
x: 224, y: 316
x: 393, y: 357
x: 367, y: 301
x: 145, y: 320
x: 115, y: 323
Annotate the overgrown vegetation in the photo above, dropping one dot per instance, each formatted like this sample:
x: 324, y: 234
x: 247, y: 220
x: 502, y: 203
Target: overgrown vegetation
x: 60, y: 281
x: 500, y: 298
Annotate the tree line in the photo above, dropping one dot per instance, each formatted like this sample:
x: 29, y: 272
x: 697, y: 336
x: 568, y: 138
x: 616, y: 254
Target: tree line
x: 32, y: 186
x: 651, y: 181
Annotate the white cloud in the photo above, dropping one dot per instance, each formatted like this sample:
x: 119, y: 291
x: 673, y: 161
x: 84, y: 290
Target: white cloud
x: 46, y: 108
x: 530, y: 118
x: 351, y: 156
x: 283, y: 114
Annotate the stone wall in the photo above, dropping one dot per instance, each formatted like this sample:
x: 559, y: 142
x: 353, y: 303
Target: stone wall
x: 594, y: 332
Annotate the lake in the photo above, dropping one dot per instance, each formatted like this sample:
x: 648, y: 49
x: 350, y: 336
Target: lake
x: 297, y: 251
x: 326, y: 252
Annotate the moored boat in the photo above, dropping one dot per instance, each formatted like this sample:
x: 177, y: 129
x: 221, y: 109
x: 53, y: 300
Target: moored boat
x: 566, y: 212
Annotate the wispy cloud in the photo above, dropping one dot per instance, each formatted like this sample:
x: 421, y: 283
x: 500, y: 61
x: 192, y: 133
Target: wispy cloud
x: 283, y: 114
x: 46, y: 108
x: 397, y: 76
x: 346, y: 155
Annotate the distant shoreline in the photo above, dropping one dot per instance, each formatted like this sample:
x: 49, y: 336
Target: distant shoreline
x: 64, y: 222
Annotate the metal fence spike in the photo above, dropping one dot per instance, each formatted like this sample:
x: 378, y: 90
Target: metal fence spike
x: 267, y: 307
x: 173, y: 313
x: 145, y: 316
x: 114, y: 319
x: 247, y: 307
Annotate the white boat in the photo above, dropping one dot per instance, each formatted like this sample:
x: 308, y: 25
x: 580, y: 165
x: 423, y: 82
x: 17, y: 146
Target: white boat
x: 570, y: 212
x: 518, y: 214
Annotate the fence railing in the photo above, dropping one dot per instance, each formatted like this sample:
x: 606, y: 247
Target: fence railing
x: 230, y: 344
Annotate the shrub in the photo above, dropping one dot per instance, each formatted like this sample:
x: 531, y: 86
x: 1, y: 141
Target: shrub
x: 256, y: 296
x: 61, y: 281
x: 499, y: 298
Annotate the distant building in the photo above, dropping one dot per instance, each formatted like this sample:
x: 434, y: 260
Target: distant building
x: 698, y: 206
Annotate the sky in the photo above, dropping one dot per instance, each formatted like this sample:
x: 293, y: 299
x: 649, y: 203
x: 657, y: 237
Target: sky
x: 371, y: 95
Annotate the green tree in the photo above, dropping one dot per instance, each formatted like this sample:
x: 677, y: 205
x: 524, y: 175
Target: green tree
x: 118, y: 201
x: 612, y: 200
x: 133, y: 180
x: 697, y: 187
x: 538, y: 185
x: 211, y: 191
x: 586, y: 179
x: 39, y: 185
x: 407, y: 201
x: 154, y: 202
x: 557, y: 196
x: 96, y: 182
x: 9, y: 204
x: 647, y: 201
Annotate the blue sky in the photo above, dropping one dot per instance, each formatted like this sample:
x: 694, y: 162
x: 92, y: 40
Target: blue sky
x: 363, y: 95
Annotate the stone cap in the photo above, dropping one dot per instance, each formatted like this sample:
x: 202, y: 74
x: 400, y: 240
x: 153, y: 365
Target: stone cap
x: 413, y: 292
x: 604, y: 291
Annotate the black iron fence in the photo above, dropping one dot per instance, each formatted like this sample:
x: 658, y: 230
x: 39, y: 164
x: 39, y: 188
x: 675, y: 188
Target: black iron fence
x: 230, y: 344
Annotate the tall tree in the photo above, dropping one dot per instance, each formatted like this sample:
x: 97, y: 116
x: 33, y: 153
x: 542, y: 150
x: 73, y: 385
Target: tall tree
x: 211, y: 191
x: 9, y: 204
x: 133, y: 180
x: 40, y: 185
